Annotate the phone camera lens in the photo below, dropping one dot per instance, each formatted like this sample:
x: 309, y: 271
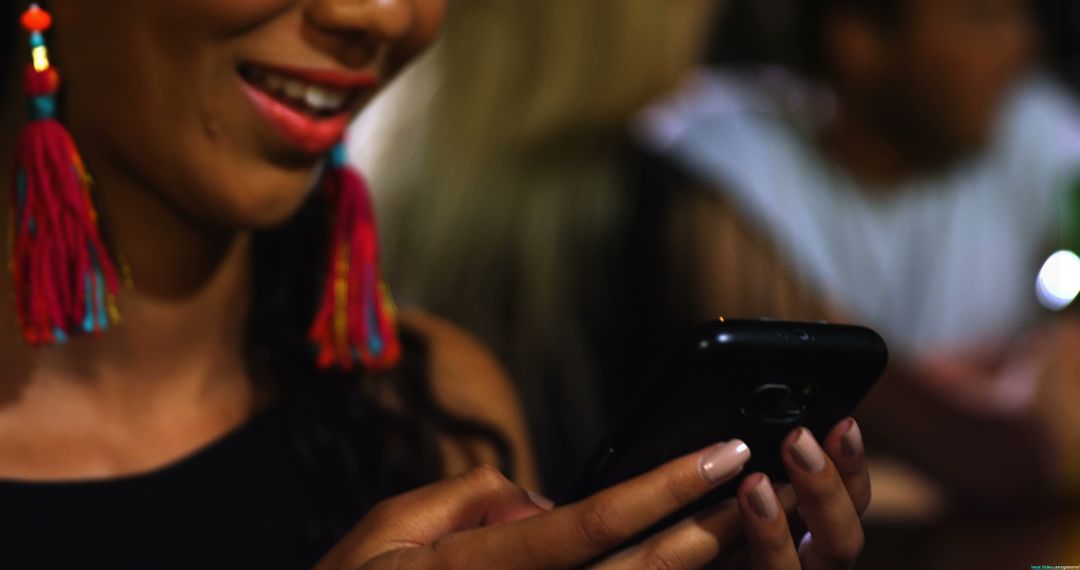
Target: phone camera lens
x: 766, y: 401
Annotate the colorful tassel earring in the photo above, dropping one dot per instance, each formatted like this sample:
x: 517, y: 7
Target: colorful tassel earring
x: 65, y: 283
x: 355, y: 323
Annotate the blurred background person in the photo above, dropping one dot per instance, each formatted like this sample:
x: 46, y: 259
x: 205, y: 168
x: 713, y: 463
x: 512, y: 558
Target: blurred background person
x: 897, y: 163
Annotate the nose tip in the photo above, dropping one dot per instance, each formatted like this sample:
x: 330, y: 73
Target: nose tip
x: 381, y: 19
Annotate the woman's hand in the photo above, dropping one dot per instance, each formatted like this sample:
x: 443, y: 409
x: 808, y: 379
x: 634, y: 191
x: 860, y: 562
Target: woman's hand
x: 480, y: 520
x: 833, y: 491
x: 831, y: 488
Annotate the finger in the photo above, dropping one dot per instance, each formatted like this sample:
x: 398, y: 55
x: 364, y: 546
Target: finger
x: 515, y: 511
x: 788, y: 499
x: 473, y: 499
x: 692, y: 543
x: 698, y: 540
x: 479, y: 497
x: 824, y: 503
x: 765, y: 523
x: 571, y: 535
x: 844, y: 444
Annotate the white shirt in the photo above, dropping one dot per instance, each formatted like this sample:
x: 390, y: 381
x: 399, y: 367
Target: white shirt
x: 947, y: 261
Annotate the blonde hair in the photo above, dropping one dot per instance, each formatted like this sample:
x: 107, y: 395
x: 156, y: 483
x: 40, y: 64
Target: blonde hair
x: 497, y: 165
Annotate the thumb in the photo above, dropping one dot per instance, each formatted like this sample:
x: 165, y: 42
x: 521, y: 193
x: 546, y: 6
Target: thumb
x: 480, y: 497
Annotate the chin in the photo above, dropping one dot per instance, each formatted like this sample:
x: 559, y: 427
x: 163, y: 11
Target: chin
x: 254, y: 202
x: 269, y: 209
x: 268, y: 215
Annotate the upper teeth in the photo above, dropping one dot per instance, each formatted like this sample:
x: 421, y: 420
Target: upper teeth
x: 324, y: 99
x: 318, y: 97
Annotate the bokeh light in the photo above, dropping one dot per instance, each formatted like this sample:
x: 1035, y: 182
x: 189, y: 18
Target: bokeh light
x: 1059, y: 281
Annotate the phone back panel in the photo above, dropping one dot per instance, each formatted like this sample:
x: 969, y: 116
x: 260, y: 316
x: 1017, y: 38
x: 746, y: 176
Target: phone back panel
x: 749, y: 380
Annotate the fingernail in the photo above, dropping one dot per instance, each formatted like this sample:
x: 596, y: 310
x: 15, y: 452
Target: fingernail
x: 723, y: 461
x: 807, y: 452
x: 851, y: 443
x: 541, y: 501
x: 763, y: 500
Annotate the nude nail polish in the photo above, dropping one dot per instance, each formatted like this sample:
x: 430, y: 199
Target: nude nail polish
x: 763, y: 500
x: 540, y: 501
x: 724, y: 461
x: 807, y: 452
x: 851, y: 443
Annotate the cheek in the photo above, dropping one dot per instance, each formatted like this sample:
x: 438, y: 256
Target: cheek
x: 172, y: 115
x: 976, y: 64
x: 430, y: 15
x: 982, y: 76
x: 220, y: 18
x: 963, y: 80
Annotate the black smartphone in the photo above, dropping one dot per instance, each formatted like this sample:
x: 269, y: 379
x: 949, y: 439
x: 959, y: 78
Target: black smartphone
x: 754, y: 380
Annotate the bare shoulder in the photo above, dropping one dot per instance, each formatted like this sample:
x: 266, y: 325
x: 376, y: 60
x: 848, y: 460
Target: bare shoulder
x: 466, y: 377
x: 468, y: 381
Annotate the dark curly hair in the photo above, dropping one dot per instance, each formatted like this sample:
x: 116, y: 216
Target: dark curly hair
x: 355, y: 447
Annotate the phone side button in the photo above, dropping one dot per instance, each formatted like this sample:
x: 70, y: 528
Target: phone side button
x: 802, y: 335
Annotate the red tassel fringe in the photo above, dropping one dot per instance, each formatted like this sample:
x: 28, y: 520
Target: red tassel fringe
x: 355, y: 322
x: 65, y: 283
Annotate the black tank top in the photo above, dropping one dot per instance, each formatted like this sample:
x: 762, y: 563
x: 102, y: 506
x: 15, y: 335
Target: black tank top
x: 240, y: 502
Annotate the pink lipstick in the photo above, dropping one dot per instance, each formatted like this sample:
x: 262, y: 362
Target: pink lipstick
x: 310, y: 109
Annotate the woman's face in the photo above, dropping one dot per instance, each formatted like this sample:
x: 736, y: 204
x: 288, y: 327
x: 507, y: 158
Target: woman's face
x: 226, y: 107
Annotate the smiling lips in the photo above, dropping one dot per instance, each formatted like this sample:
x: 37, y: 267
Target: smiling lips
x: 309, y: 109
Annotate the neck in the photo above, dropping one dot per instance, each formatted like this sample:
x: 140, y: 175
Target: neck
x: 866, y: 150
x: 180, y: 338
